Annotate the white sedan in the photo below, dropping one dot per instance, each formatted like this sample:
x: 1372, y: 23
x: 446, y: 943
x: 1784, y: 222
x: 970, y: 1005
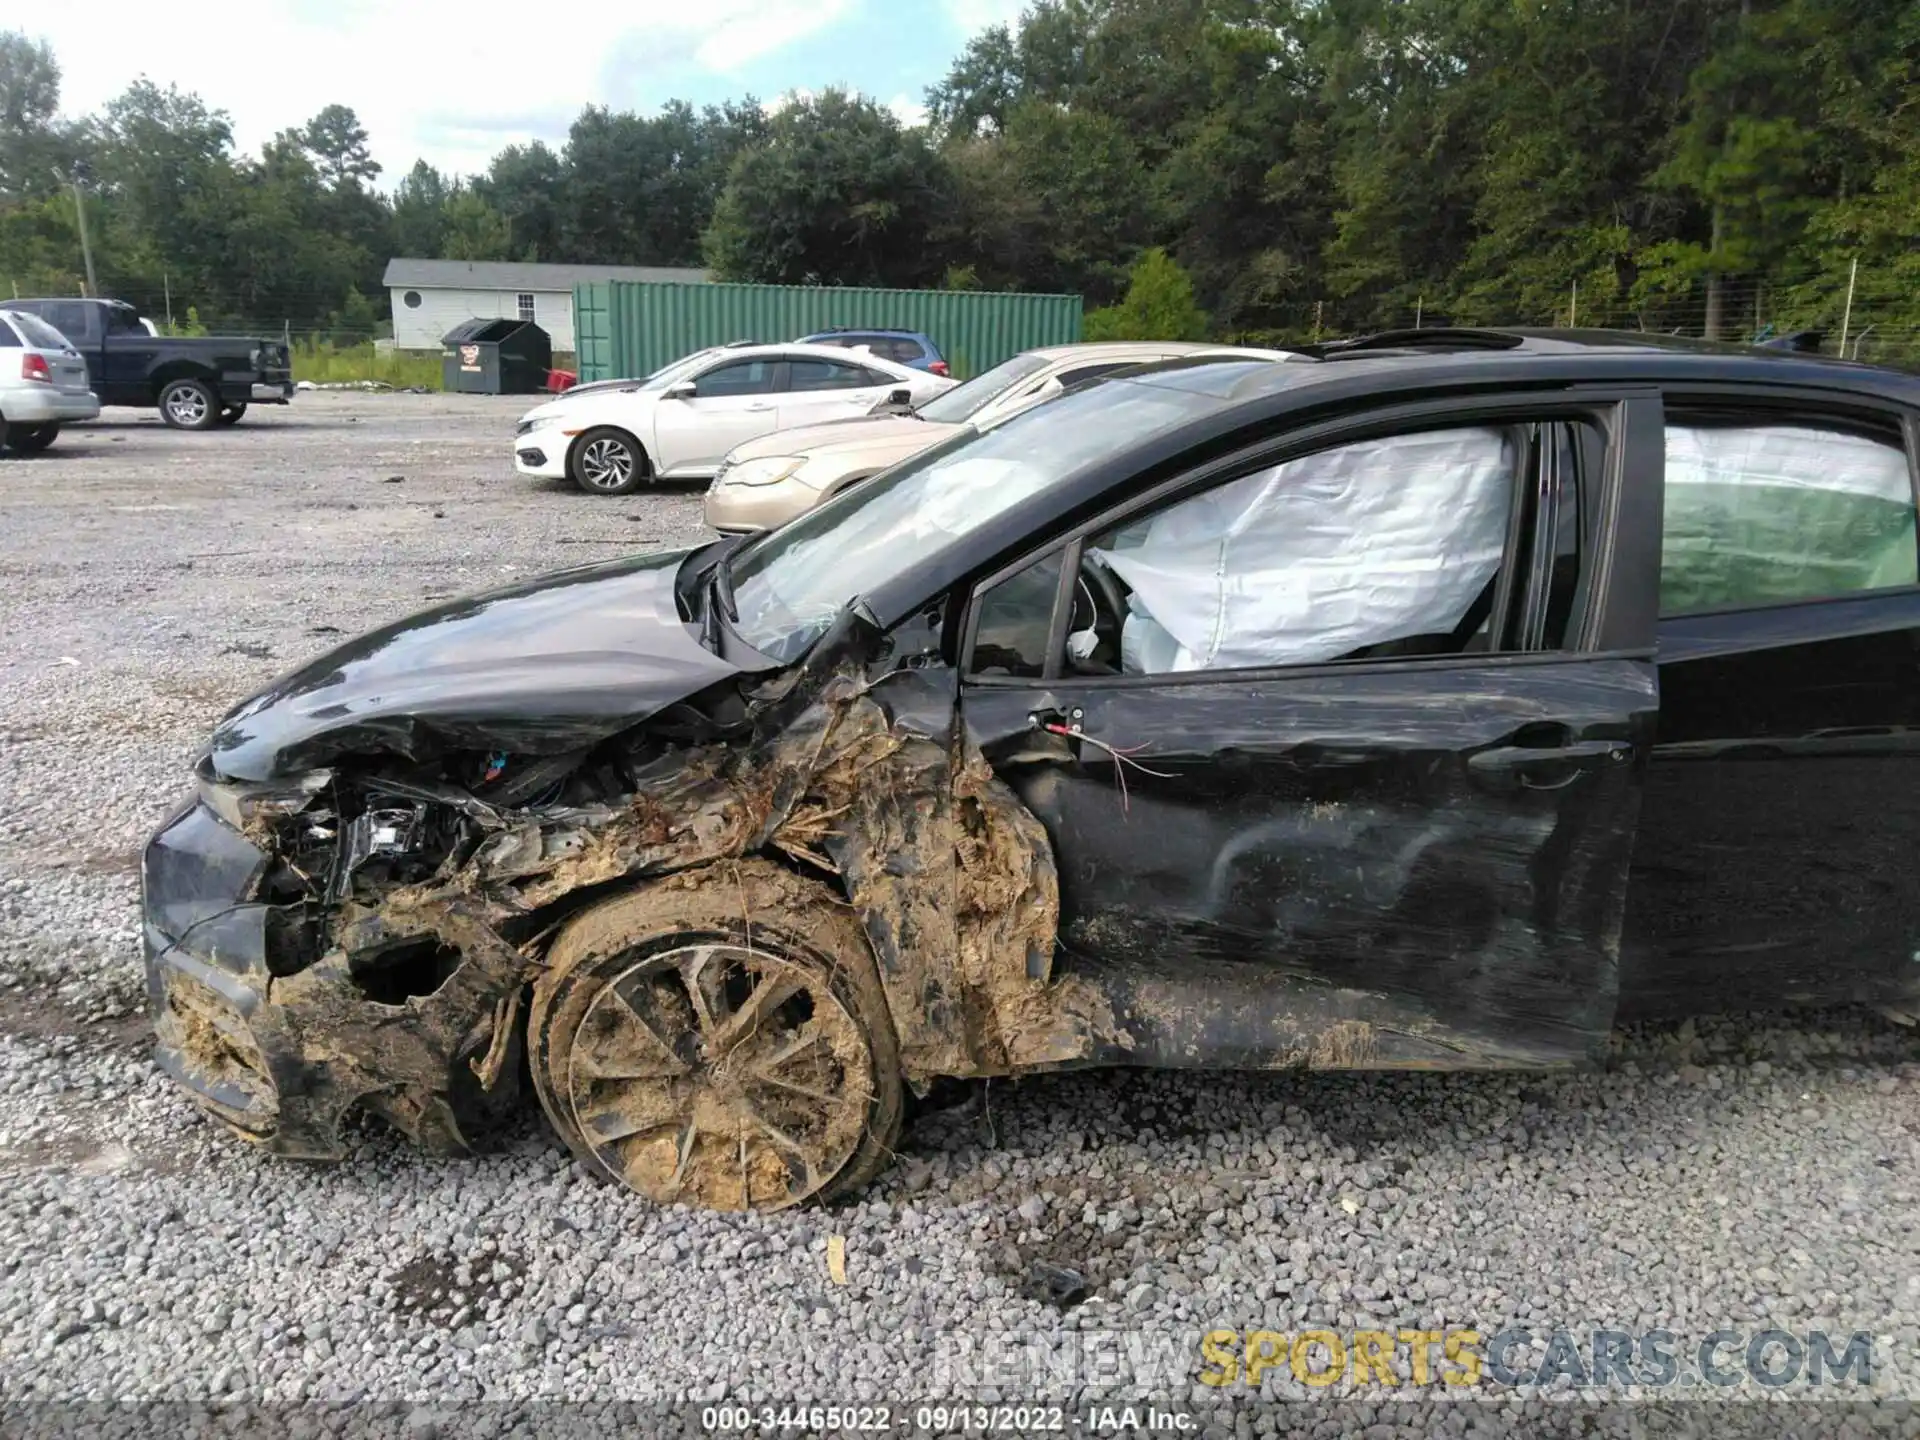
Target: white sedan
x: 679, y: 422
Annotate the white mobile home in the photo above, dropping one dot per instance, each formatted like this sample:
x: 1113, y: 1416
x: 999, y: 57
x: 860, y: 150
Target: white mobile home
x: 430, y: 297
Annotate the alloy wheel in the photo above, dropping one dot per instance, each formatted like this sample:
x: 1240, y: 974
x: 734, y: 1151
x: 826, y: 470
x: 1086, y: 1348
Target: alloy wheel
x: 187, y: 406
x: 721, y: 1076
x: 606, y: 464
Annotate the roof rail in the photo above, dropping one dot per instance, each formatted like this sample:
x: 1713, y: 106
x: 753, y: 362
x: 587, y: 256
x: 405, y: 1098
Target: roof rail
x: 1438, y: 337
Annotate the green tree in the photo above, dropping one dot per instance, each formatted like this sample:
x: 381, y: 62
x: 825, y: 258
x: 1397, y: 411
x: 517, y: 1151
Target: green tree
x: 1158, y: 305
x: 839, y: 193
x: 524, y: 183
x: 419, y: 212
x: 475, y: 230
x: 338, y: 143
x: 34, y: 147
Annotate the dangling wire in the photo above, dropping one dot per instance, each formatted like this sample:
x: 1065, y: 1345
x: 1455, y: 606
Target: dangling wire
x: 1122, y: 759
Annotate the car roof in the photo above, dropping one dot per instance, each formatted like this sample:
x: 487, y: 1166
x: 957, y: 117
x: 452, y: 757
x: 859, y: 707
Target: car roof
x: 1520, y: 356
x: 869, y: 330
x: 835, y: 353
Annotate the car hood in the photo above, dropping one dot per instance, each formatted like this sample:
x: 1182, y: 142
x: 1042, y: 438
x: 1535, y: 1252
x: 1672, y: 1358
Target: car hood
x: 889, y: 430
x: 548, y: 665
x: 572, y: 406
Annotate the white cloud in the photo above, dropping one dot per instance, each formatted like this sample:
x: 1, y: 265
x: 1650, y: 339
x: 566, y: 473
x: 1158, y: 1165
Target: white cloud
x: 443, y: 79
x: 972, y: 16
x: 908, y: 110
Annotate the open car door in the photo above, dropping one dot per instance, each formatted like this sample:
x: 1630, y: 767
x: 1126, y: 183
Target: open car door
x: 1340, y: 742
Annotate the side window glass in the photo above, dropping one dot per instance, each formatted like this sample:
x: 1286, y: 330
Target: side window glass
x: 1381, y: 548
x: 743, y: 377
x: 69, y: 320
x: 1015, y: 618
x: 8, y: 340
x: 826, y: 375
x: 1772, y: 514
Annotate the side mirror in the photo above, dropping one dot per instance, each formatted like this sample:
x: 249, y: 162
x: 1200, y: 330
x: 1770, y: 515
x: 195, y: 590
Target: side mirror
x: 682, y: 390
x: 902, y: 396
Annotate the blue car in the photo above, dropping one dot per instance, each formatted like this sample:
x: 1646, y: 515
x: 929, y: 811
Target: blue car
x: 904, y: 347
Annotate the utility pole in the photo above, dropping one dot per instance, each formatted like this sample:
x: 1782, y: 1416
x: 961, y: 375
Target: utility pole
x: 1846, y: 315
x: 86, y: 246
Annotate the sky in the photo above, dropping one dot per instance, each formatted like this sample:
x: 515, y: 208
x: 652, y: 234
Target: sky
x: 454, y: 82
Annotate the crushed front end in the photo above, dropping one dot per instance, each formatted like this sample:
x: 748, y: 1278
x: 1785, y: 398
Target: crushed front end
x: 362, y: 934
x: 280, y: 1001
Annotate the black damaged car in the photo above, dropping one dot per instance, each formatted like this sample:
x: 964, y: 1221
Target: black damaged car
x: 1427, y: 701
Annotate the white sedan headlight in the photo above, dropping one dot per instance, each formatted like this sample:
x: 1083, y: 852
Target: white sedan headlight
x: 770, y: 470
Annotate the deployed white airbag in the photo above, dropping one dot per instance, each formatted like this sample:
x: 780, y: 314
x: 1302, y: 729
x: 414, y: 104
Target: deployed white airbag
x: 1759, y: 514
x: 1313, y: 559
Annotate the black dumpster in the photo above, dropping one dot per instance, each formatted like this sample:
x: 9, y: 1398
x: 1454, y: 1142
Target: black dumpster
x: 495, y: 357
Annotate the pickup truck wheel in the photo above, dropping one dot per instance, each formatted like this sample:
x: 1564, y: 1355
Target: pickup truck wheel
x: 607, y: 461
x: 31, y: 439
x: 230, y: 414
x: 189, y: 405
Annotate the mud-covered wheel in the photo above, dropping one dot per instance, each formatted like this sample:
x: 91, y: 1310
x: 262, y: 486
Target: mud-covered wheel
x: 719, y: 1039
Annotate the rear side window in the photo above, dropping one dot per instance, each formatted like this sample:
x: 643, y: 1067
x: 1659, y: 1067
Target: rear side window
x: 70, y: 320
x: 39, y: 334
x: 828, y: 375
x: 8, y: 340
x: 1766, y: 514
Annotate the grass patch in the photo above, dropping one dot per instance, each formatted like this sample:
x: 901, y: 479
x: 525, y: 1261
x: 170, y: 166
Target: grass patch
x: 322, y: 361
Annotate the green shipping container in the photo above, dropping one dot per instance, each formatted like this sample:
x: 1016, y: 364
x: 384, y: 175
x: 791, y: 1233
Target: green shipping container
x: 625, y: 328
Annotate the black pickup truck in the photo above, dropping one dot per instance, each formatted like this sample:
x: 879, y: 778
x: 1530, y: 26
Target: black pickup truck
x: 196, y: 382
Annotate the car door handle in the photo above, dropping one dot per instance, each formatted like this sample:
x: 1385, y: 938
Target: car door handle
x: 757, y: 409
x: 1548, y: 767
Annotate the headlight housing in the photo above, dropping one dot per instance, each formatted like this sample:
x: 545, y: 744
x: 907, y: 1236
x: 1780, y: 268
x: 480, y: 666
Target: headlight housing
x: 770, y: 470
x: 241, y: 802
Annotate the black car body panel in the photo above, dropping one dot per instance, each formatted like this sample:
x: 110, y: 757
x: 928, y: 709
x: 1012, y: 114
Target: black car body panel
x: 1448, y: 859
x: 548, y: 665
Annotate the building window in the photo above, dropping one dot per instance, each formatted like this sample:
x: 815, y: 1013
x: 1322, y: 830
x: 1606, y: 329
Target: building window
x: 526, y: 307
x: 411, y: 299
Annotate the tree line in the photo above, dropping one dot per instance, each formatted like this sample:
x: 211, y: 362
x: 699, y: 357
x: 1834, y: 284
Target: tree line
x: 1287, y: 167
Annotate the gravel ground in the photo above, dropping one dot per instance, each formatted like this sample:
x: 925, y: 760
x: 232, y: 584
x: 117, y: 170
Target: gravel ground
x: 1736, y: 1175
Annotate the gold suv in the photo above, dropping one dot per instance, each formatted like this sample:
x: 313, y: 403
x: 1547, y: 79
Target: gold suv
x: 769, y: 480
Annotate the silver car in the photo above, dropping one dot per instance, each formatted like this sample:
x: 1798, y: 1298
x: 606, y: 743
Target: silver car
x: 43, y: 383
